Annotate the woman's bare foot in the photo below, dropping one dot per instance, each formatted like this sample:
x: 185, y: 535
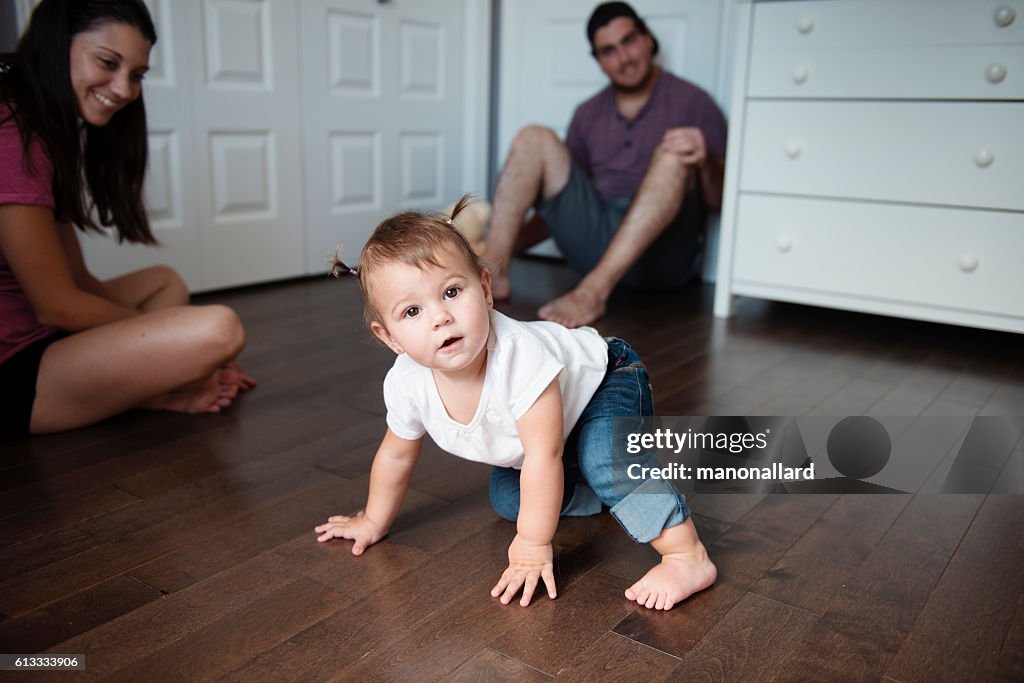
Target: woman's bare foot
x: 233, y: 374
x: 210, y: 395
x: 675, y: 578
x: 578, y: 307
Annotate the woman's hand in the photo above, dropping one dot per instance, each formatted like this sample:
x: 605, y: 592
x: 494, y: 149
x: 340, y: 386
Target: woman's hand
x: 357, y: 528
x: 528, y: 564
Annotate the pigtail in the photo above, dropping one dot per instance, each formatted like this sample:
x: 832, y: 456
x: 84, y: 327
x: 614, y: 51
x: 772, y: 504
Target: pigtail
x: 464, y: 201
x: 339, y: 267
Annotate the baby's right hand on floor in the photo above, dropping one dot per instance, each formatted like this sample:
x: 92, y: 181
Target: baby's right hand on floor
x: 357, y: 528
x: 528, y: 565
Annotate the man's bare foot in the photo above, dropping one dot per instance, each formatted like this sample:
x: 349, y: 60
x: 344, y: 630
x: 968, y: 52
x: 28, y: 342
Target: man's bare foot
x: 210, y: 395
x: 578, y: 307
x: 677, y: 577
x: 501, y: 286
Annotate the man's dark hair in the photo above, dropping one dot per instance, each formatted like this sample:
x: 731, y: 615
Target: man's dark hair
x: 107, y: 169
x: 603, y: 15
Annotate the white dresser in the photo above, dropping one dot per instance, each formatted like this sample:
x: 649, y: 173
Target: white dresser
x: 876, y: 159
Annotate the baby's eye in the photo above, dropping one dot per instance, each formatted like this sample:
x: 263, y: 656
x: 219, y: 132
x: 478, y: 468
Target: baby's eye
x: 411, y: 312
x: 452, y: 292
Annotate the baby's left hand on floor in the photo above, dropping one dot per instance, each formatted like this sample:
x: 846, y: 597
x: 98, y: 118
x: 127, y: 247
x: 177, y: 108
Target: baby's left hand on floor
x: 528, y: 565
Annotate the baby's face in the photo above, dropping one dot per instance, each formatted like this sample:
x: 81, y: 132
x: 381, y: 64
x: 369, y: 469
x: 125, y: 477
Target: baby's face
x: 437, y: 315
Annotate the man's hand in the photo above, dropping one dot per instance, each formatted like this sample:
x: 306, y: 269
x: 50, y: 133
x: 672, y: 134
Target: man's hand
x: 358, y: 528
x: 686, y: 143
x: 528, y: 563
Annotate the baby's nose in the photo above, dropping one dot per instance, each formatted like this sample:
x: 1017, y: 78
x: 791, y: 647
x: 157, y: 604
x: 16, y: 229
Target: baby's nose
x: 442, y: 317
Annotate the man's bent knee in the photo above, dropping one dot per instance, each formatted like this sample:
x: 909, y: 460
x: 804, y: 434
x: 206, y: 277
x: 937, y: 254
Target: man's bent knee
x: 669, y: 165
x: 533, y: 138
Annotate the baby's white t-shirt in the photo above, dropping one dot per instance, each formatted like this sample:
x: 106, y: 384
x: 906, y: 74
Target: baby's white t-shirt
x: 522, y: 359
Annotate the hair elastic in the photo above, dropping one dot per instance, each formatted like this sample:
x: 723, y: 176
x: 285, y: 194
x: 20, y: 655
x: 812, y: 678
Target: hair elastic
x: 339, y: 267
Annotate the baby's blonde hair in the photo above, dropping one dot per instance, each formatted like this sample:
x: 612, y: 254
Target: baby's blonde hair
x: 410, y: 237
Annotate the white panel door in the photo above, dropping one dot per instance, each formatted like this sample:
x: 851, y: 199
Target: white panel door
x: 224, y: 186
x: 383, y: 94
x: 249, y: 171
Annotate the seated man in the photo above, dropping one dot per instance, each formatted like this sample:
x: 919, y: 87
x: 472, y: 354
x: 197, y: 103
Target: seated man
x: 626, y: 196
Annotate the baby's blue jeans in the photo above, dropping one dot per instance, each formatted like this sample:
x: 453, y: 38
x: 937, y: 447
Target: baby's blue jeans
x: 592, y: 467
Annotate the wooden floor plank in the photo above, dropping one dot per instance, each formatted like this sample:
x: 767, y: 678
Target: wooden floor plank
x: 385, y: 616
x: 556, y: 629
x: 445, y: 640
x: 253, y: 534
x: 1010, y: 666
x: 238, y: 637
x: 169, y: 492
x: 613, y: 657
x: 976, y: 582
x: 749, y: 644
x: 816, y: 568
x: 148, y: 629
x: 41, y: 629
x: 62, y: 513
x: 65, y: 577
x: 488, y: 665
x: 333, y: 564
x: 862, y: 629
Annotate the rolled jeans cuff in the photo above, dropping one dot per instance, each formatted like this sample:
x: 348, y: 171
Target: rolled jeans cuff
x: 649, y: 509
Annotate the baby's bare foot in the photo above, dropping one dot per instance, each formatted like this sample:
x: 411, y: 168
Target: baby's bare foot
x: 677, y: 577
x: 578, y: 307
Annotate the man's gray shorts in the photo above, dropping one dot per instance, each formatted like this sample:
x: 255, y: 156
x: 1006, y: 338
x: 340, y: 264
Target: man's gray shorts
x: 583, y: 224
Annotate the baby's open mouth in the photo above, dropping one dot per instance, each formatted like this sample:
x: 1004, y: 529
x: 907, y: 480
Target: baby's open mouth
x: 448, y: 342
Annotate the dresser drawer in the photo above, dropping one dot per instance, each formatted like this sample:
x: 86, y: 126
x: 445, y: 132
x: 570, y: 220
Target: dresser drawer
x: 948, y: 153
x: 956, y: 259
x: 907, y: 49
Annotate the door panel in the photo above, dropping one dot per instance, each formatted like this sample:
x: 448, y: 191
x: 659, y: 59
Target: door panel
x: 247, y: 136
x: 382, y: 115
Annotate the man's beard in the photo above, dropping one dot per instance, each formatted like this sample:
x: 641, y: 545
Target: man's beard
x: 639, y: 87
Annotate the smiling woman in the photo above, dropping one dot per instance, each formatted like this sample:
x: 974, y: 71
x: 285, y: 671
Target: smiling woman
x: 108, y: 64
x: 73, y: 149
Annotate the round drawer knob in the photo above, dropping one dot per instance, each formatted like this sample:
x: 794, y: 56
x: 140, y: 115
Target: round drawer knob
x: 969, y: 262
x: 784, y: 243
x: 793, y: 149
x: 801, y: 74
x: 995, y: 73
x: 806, y: 24
x: 1004, y: 16
x: 984, y: 158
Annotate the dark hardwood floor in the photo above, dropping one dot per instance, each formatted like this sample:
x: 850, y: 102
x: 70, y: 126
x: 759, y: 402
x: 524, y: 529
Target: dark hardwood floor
x: 168, y: 547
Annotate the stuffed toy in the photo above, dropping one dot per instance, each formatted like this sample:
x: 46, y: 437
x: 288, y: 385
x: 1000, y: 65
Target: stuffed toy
x: 472, y: 223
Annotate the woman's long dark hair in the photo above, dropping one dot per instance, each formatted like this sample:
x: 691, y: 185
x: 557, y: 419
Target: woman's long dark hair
x: 93, y: 166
